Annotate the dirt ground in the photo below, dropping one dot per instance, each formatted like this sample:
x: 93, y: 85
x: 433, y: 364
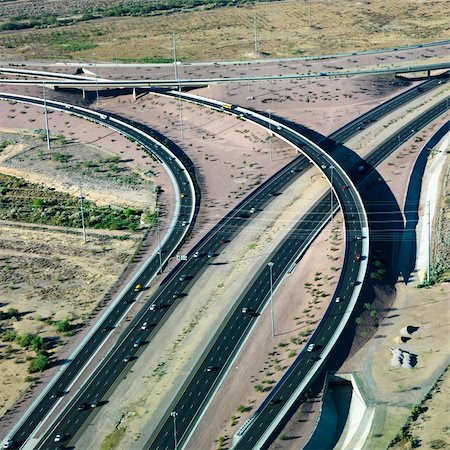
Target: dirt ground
x: 228, y: 33
x: 42, y: 270
x: 132, y: 414
x: 106, y: 180
x: 206, y: 135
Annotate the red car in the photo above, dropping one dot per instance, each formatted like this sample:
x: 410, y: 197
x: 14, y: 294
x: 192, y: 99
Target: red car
x: 357, y: 257
x: 223, y: 241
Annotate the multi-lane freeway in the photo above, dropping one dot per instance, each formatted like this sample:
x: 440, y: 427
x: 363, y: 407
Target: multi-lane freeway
x: 212, y: 247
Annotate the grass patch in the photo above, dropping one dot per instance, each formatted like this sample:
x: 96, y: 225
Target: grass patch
x: 113, y: 439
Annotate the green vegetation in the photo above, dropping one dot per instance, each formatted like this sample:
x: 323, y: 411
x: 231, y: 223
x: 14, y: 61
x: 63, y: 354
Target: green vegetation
x: 32, y: 203
x: 39, y: 363
x: 141, y: 8
x: 113, y: 439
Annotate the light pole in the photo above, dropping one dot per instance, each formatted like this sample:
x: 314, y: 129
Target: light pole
x: 174, y: 415
x: 82, y: 214
x: 429, y: 243
x: 255, y: 33
x: 175, y: 65
x: 331, y: 196
x: 270, y: 264
x: 46, y: 117
x: 270, y: 134
x: 96, y: 78
x: 159, y: 239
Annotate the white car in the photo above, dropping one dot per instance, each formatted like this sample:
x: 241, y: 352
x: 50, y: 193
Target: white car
x: 311, y: 347
x: 58, y: 438
x: 196, y: 254
x: 153, y: 306
x: 144, y: 326
x: 252, y: 210
x: 8, y: 444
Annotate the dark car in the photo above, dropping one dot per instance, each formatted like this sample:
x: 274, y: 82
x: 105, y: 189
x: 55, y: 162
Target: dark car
x: 83, y: 407
x: 211, y: 254
x: 58, y: 394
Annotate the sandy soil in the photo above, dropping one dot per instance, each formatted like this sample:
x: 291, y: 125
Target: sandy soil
x: 227, y: 33
x: 250, y: 165
x: 431, y: 426
x: 39, y: 268
x: 34, y: 163
x: 134, y: 411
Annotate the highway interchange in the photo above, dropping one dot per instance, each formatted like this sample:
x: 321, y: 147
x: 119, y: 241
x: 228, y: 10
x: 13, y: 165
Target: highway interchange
x: 224, y: 232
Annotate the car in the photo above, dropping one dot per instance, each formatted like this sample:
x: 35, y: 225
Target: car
x: 183, y: 277
x: 245, y: 310
x: 357, y: 237
x: 137, y: 343
x: 344, y: 186
x: 176, y: 294
x: 144, y: 326
x: 323, y: 166
x: 58, y: 438
x: 310, y: 347
x: 95, y: 403
x: 137, y: 288
x: 275, y: 401
x: 278, y: 128
x: 212, y: 368
x: 182, y: 195
x: 210, y: 254
x: 183, y: 223
x: 223, y: 241
x: 129, y: 301
x: 354, y: 283
x: 127, y: 358
x: 153, y: 307
x: 314, y: 358
x: 58, y: 394
x: 252, y: 210
x: 103, y: 116
x: 196, y: 254
x: 8, y: 444
x: 357, y: 257
x: 338, y: 299
x: 360, y: 168
x: 82, y: 407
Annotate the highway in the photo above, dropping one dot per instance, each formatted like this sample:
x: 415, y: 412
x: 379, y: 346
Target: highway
x: 305, y: 164
x: 75, y: 81
x: 200, y: 384
x: 169, y: 244
x: 257, y: 434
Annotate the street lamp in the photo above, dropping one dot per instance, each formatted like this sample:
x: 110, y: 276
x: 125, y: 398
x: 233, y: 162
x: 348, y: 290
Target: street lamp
x: 331, y: 196
x: 174, y: 415
x: 270, y: 134
x: 96, y: 78
x: 159, y: 239
x: 270, y: 264
x: 46, y: 116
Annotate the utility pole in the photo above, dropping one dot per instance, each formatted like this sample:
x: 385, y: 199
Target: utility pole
x: 429, y: 242
x: 82, y: 214
x: 255, y: 33
x: 175, y: 65
x: 309, y: 15
x: 270, y: 134
x: 174, y: 415
x: 159, y: 239
x: 331, y: 196
x: 270, y: 264
x: 96, y: 78
x: 46, y: 117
